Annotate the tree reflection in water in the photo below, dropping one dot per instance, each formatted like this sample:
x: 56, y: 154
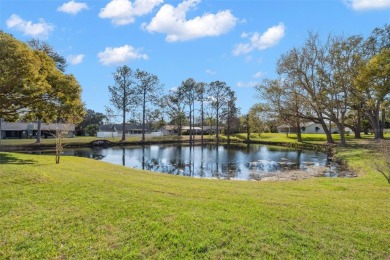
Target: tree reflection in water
x: 208, y: 161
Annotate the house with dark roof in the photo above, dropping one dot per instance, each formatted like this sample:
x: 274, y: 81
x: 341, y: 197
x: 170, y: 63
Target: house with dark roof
x: 19, y: 130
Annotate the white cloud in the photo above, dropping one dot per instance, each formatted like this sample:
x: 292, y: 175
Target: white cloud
x: 72, y: 7
x: 173, y: 22
x: 39, y: 30
x: 258, y: 75
x: 120, y: 55
x: 75, y: 59
x: 244, y: 35
x: 122, y: 12
x: 210, y: 72
x: 368, y: 4
x: 261, y: 42
x: 250, y: 84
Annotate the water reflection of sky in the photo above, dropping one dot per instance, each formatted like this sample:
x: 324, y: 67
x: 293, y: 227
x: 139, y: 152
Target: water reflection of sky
x: 210, y: 161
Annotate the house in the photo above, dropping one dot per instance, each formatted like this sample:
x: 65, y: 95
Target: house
x: 19, y: 130
x: 114, y: 130
x: 309, y: 128
x: 173, y: 129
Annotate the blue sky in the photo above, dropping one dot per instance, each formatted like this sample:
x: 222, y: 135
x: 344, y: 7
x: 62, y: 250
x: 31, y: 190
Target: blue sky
x: 238, y: 42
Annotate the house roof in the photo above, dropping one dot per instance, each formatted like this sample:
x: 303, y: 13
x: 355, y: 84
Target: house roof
x: 169, y: 127
x: 119, y: 127
x: 22, y: 126
x: 7, y: 126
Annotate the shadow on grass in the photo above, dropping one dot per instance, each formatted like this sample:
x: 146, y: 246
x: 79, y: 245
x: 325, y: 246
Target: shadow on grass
x: 11, y: 159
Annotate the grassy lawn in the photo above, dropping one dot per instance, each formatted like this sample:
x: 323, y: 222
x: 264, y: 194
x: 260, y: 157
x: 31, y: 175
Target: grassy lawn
x: 89, y: 209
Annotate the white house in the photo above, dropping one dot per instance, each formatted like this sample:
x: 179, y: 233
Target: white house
x: 309, y: 128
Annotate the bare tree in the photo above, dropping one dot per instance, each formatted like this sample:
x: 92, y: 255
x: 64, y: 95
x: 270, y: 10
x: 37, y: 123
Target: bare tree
x: 148, y: 89
x: 218, y: 92
x: 123, y: 93
x: 201, y: 89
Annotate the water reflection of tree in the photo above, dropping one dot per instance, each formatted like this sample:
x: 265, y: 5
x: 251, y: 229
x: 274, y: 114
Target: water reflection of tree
x: 94, y: 153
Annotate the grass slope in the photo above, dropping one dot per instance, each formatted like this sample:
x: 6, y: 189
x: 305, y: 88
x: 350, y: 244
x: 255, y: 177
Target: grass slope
x: 89, y: 209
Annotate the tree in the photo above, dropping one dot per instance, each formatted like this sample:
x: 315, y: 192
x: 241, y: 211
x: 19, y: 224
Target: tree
x: 218, y: 92
x: 42, y: 108
x: 200, y: 90
x: 284, y: 100
x: 374, y: 83
x: 173, y: 104
x: 256, y: 119
x: 123, y: 93
x: 59, y: 60
x: 91, y: 118
x: 147, y: 90
x: 60, y: 64
x: 230, y: 113
x: 91, y: 129
x: 305, y: 68
x: 21, y: 82
x: 187, y: 90
x: 65, y: 102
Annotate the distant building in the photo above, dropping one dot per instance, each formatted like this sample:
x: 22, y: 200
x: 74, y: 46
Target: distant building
x: 173, y: 130
x: 20, y: 130
x: 308, y: 128
x: 169, y: 130
x: 114, y: 130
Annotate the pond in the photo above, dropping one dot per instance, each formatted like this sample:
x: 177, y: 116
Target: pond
x: 241, y: 162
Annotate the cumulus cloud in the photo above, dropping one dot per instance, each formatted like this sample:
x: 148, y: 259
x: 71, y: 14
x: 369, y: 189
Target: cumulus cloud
x: 122, y: 12
x: 210, y: 72
x: 173, y: 22
x: 258, y: 75
x: 249, y: 84
x: 75, y: 59
x: 38, y: 30
x: 120, y: 55
x: 72, y: 7
x: 368, y: 4
x: 260, y: 42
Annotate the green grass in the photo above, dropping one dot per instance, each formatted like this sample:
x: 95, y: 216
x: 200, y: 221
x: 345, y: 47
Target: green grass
x: 83, y: 208
x: 264, y: 137
x: 306, y: 138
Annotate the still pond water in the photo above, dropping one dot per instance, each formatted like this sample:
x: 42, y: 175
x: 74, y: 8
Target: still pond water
x: 244, y: 162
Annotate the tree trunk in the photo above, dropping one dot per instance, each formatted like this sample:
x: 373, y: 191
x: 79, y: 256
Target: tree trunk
x: 383, y: 123
x: 228, y: 126
x: 329, y: 138
x: 340, y: 127
x: 248, y: 129
x: 1, y: 135
x: 39, y: 131
x: 202, y: 121
x: 299, y: 134
x: 124, y: 126
x: 143, y: 116
x: 358, y: 126
x: 217, y: 130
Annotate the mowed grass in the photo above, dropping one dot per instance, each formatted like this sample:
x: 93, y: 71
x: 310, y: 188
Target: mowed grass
x: 86, y: 209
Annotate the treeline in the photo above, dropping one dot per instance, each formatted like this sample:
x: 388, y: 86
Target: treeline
x: 341, y: 80
x: 140, y: 94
